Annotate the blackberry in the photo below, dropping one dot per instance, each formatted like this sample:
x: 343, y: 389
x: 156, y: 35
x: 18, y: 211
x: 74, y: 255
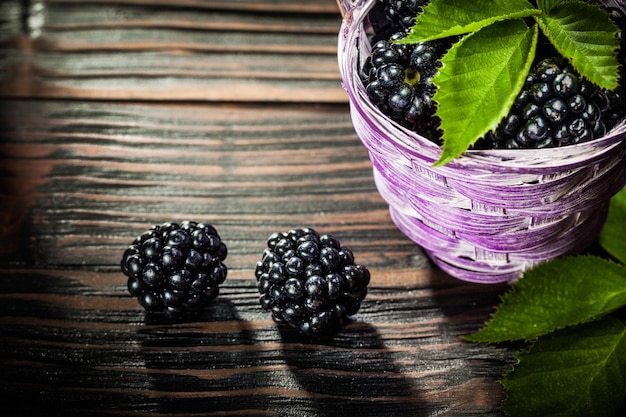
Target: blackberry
x: 556, y: 107
x: 398, y: 80
x: 402, y: 13
x: 175, y: 268
x: 309, y: 281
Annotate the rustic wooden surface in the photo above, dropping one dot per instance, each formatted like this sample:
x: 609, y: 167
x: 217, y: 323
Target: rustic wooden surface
x: 117, y: 115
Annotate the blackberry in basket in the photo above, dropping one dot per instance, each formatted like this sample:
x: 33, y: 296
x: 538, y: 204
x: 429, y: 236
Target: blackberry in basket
x: 398, y: 80
x: 402, y: 12
x: 556, y: 107
x: 309, y: 281
x: 175, y: 268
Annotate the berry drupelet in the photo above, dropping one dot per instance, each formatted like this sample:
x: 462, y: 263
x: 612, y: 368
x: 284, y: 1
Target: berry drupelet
x: 556, y: 107
x: 309, y: 281
x: 175, y: 268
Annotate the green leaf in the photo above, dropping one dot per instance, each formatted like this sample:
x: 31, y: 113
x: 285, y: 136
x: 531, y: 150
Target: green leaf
x: 585, y: 35
x: 444, y: 18
x: 547, y: 5
x: 576, y: 372
x: 613, y: 235
x: 477, y: 84
x: 556, y: 294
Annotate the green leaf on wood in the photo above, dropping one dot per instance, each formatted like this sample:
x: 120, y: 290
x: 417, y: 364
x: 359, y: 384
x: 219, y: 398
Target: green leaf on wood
x: 613, y: 235
x: 444, y: 18
x: 479, y: 81
x: 585, y: 35
x: 553, y: 295
x: 575, y: 372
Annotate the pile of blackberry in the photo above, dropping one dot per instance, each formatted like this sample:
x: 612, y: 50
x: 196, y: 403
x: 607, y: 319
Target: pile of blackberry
x: 175, y: 268
x: 309, y: 281
x: 556, y: 107
x: 398, y: 80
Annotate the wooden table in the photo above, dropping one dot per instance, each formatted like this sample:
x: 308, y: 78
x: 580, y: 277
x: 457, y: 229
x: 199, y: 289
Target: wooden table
x: 117, y: 115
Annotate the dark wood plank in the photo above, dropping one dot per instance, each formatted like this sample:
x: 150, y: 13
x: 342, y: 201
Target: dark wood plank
x: 281, y: 6
x: 10, y: 19
x: 188, y: 51
x: 82, y: 179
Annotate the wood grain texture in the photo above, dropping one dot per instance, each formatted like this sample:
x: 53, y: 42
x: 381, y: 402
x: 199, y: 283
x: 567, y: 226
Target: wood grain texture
x: 98, y: 141
x: 201, y: 51
x: 85, y: 178
x: 10, y: 20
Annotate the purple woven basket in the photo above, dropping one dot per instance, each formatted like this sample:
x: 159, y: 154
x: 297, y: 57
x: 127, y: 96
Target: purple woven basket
x: 487, y: 216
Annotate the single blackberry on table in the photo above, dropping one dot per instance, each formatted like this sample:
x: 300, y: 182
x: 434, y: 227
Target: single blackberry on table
x: 309, y: 281
x: 398, y: 80
x: 175, y: 268
x: 556, y: 107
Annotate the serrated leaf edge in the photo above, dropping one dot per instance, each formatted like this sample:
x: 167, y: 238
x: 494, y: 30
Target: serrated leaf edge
x: 464, y: 30
x: 547, y: 5
x: 610, y: 81
x: 414, y: 37
x: 472, y: 337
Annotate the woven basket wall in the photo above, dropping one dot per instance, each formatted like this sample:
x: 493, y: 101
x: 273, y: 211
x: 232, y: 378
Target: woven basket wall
x: 489, y: 215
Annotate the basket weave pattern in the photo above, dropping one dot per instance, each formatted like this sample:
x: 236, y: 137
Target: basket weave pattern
x: 489, y: 215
